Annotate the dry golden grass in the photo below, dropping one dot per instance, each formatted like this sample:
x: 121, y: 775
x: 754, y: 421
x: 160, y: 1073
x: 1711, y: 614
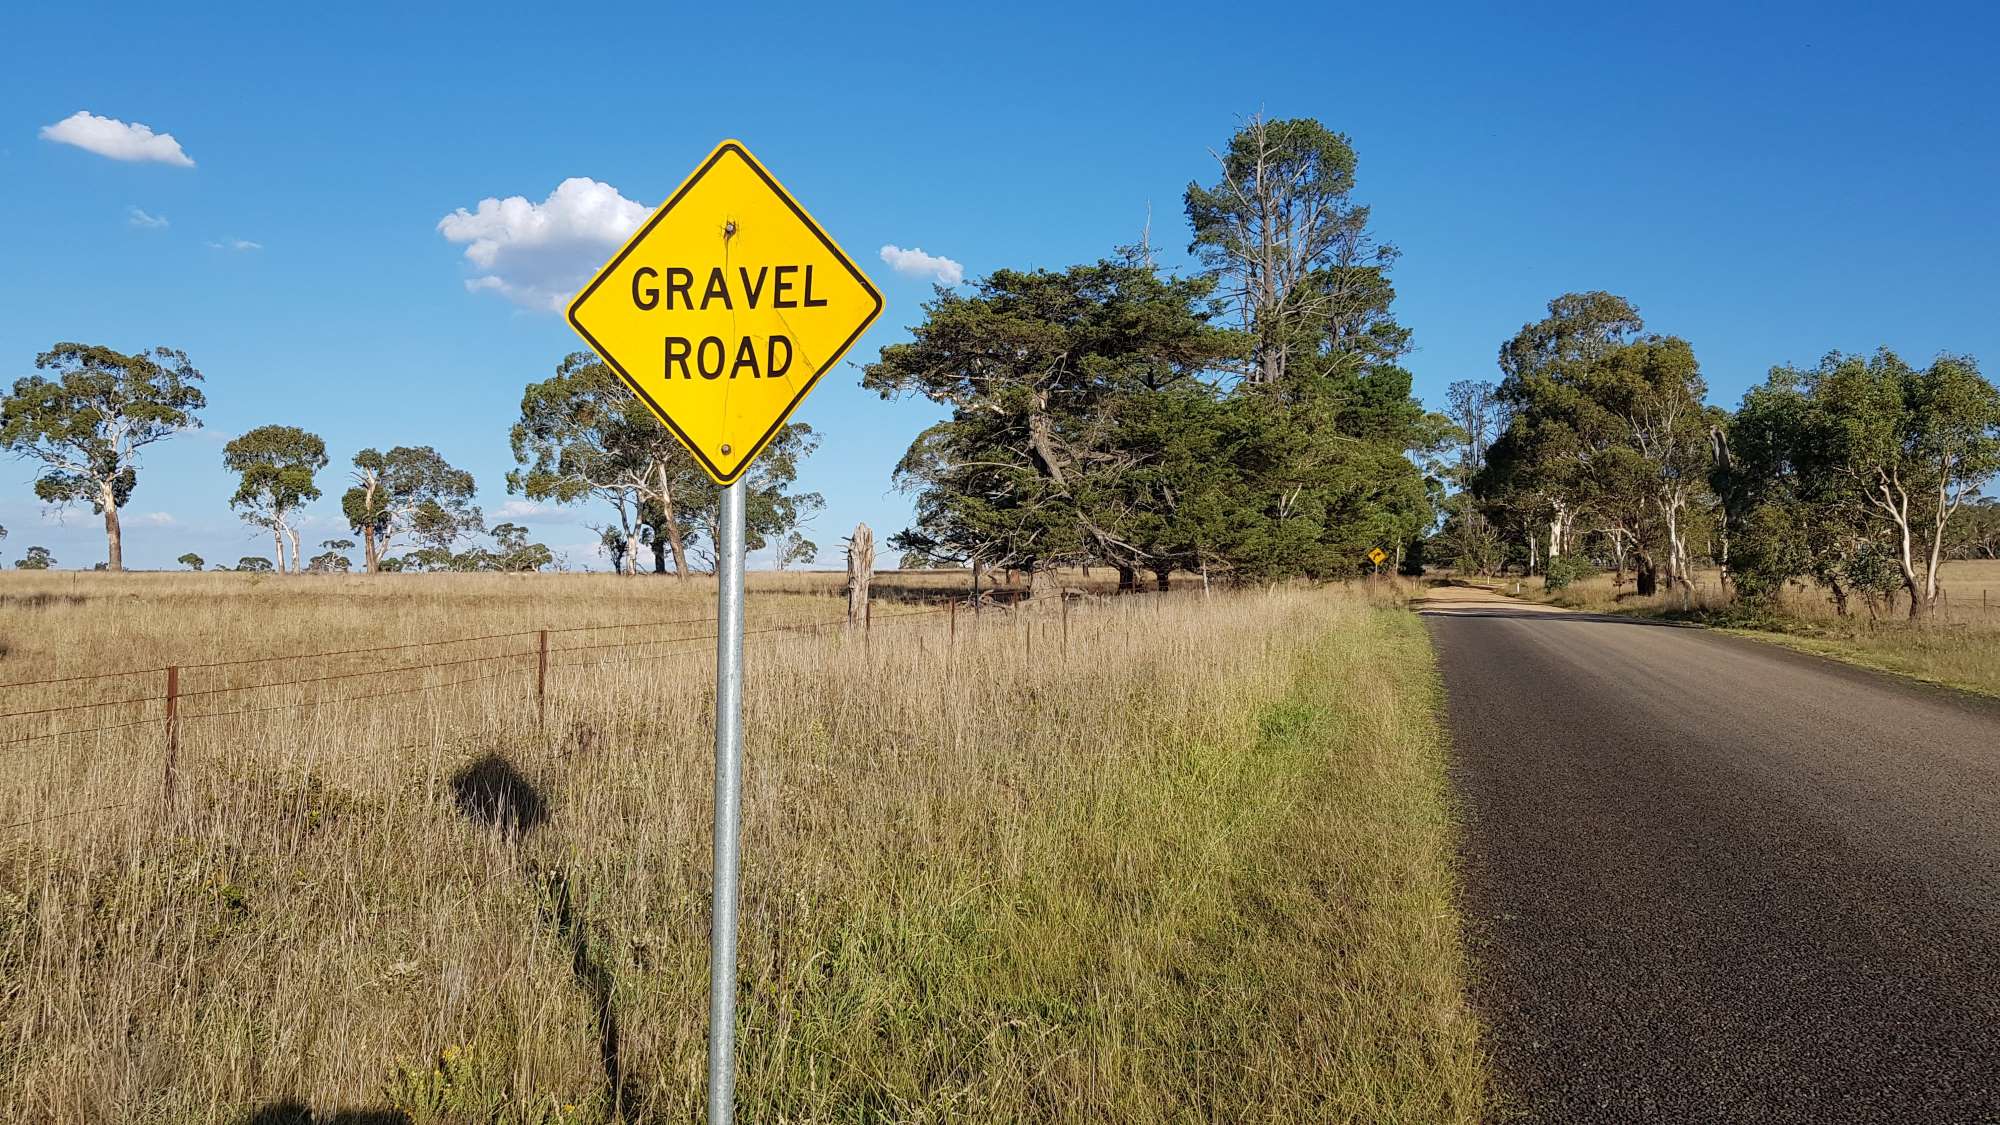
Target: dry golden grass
x: 1959, y: 647
x: 1195, y: 864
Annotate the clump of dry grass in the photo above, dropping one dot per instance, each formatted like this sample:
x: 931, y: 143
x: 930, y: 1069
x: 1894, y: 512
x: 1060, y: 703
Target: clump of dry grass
x: 1192, y: 863
x: 1959, y: 646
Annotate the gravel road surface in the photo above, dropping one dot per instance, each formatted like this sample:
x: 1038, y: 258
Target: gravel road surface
x: 1714, y: 880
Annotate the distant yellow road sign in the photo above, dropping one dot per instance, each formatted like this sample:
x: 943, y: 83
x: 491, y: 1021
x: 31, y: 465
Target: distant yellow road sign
x: 1377, y: 556
x: 724, y: 310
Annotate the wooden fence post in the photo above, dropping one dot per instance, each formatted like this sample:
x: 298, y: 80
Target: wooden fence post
x: 951, y: 630
x: 860, y: 572
x: 173, y: 736
x: 1065, y: 617
x: 542, y: 680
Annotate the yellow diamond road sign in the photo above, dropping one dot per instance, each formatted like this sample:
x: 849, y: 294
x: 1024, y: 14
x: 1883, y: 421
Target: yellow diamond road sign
x: 724, y: 310
x: 1377, y: 555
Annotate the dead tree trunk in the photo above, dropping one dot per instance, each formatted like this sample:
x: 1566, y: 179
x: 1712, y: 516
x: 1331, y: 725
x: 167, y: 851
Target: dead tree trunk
x: 860, y: 571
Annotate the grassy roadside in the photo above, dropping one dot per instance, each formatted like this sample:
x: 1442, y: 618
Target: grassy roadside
x: 1960, y: 649
x: 1160, y: 863
x: 1249, y: 928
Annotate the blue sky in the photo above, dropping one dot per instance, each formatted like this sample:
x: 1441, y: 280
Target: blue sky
x: 1770, y: 184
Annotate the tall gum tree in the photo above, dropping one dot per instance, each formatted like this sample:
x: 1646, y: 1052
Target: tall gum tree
x: 1654, y: 388
x: 87, y: 424
x: 1557, y: 431
x: 583, y: 435
x: 394, y: 491
x: 275, y: 467
x: 1913, y: 444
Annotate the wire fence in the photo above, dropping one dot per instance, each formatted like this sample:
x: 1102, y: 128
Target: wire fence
x: 554, y: 651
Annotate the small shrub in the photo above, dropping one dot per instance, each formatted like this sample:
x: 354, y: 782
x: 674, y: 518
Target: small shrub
x: 1566, y: 569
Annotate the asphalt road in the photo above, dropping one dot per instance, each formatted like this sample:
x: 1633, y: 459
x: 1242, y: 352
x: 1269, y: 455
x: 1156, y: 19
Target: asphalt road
x: 1714, y: 880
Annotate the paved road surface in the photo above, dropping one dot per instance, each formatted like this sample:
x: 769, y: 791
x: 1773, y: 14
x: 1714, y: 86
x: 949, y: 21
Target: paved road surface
x: 1713, y: 880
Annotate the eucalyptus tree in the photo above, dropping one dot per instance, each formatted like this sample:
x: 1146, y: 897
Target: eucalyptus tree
x: 1546, y: 460
x: 771, y: 506
x: 1910, y: 445
x: 275, y: 467
x: 584, y: 435
x: 1476, y: 419
x: 1976, y: 530
x: 1654, y: 389
x: 399, y: 492
x: 513, y: 552
x: 87, y: 423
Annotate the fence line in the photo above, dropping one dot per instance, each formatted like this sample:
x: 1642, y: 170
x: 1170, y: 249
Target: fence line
x: 311, y: 704
x: 79, y: 679
x: 945, y: 608
x: 345, y: 675
x: 551, y: 654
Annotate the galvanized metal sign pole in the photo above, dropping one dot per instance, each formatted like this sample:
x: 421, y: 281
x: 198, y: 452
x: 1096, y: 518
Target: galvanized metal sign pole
x: 720, y: 314
x: 728, y: 809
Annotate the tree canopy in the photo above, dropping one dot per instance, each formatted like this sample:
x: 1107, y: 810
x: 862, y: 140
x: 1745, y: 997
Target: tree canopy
x: 275, y: 467
x: 87, y: 424
x: 407, y: 491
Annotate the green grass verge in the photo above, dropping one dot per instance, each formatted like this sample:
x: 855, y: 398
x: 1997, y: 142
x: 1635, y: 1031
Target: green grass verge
x: 1957, y: 656
x: 1965, y: 663
x: 1257, y: 928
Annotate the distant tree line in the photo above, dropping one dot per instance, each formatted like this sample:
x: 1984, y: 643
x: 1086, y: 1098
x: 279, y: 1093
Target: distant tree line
x: 1249, y: 421
x: 1596, y: 448
x: 87, y: 417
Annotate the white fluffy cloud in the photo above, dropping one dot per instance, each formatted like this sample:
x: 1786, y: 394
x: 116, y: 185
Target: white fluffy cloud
x: 540, y: 254
x: 141, y: 219
x: 108, y: 136
x: 916, y: 263
x: 235, y: 244
x: 158, y: 519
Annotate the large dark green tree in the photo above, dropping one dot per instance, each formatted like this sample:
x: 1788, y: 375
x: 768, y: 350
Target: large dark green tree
x: 1037, y: 368
x: 87, y: 423
x: 1607, y: 433
x: 1330, y: 473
